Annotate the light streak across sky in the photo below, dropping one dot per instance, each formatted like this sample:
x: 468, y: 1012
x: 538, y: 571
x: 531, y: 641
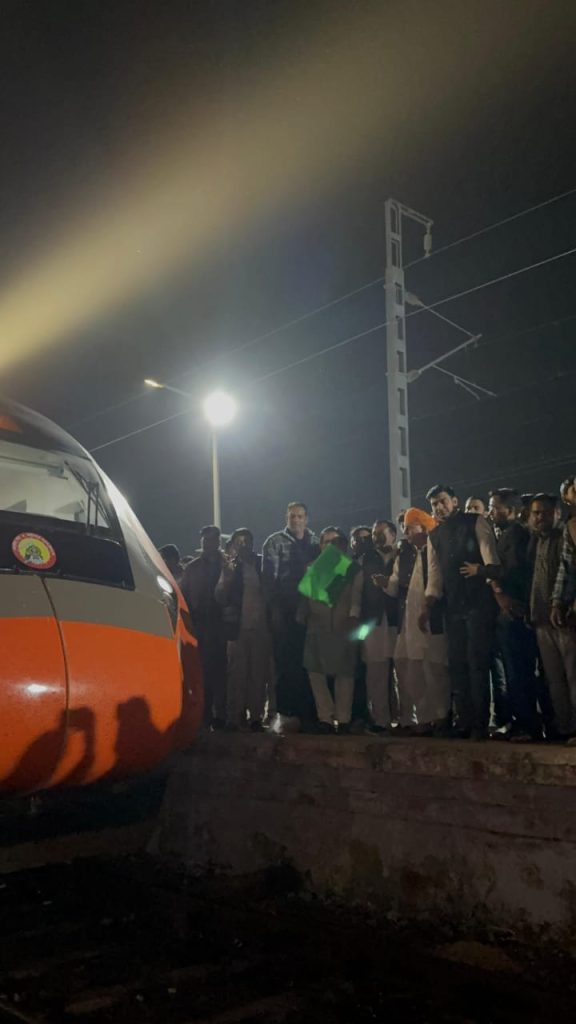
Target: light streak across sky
x: 292, y: 133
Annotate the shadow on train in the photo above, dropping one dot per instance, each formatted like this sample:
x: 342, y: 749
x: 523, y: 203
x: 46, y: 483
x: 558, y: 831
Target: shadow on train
x: 73, y: 807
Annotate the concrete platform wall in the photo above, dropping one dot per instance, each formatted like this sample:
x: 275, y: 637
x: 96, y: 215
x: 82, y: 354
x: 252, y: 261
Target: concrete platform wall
x: 469, y: 832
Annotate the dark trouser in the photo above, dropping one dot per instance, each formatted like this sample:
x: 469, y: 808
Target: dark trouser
x: 544, y: 700
x: 558, y: 652
x: 470, y: 643
x: 359, y: 702
x: 293, y: 692
x: 517, y: 642
x: 393, y: 691
x: 249, y: 672
x: 213, y: 655
x: 501, y: 713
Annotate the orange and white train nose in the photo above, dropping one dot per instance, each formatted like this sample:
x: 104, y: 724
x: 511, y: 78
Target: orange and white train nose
x: 34, y: 685
x: 93, y: 684
x: 99, y: 673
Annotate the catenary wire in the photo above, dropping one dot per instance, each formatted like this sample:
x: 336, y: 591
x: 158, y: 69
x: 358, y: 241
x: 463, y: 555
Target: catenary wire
x: 416, y: 312
x: 379, y: 280
x: 560, y: 460
x: 355, y: 337
x: 343, y: 298
x: 492, y: 227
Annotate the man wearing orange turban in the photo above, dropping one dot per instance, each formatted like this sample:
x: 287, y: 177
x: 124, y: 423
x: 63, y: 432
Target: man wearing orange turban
x: 415, y: 517
x: 420, y: 659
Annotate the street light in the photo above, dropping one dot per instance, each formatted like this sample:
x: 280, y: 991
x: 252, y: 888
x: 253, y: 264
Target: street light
x: 219, y: 409
x: 151, y: 383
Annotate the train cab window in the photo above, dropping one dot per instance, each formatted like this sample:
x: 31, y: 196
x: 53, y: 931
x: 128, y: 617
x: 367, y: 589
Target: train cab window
x: 34, y: 482
x: 60, y: 497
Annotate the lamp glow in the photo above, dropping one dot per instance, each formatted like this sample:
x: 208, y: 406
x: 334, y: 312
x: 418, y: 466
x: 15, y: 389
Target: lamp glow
x: 219, y: 408
x: 153, y: 383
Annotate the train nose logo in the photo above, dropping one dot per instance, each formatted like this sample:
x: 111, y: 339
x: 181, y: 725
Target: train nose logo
x: 33, y: 550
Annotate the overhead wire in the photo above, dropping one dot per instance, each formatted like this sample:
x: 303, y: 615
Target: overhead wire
x: 352, y: 338
x: 468, y: 385
x: 381, y: 278
x: 452, y: 323
x: 500, y: 340
x: 560, y: 460
x: 491, y: 227
x: 347, y: 295
x: 501, y: 394
x: 503, y: 474
x: 416, y: 312
x: 555, y: 322
x: 134, y: 433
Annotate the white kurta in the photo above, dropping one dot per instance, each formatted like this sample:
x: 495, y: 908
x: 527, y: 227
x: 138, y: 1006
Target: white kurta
x: 378, y: 647
x: 421, y: 659
x: 380, y: 644
x: 412, y: 642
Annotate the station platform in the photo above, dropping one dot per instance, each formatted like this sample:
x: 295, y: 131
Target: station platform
x: 480, y: 834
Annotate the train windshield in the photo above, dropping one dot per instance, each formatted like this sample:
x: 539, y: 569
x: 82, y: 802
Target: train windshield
x: 55, y: 485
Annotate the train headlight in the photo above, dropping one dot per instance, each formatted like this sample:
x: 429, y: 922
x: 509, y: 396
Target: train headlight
x: 169, y: 599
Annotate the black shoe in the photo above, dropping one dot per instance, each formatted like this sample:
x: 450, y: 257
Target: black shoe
x: 307, y: 725
x: 521, y: 737
x: 421, y: 730
x: 377, y: 730
x: 442, y: 730
x: 460, y: 734
x: 217, y: 724
x: 479, y: 735
x: 325, y: 729
x: 256, y: 726
x: 553, y: 736
x: 501, y: 735
x: 344, y: 729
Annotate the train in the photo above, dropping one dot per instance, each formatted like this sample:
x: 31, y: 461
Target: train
x: 100, y: 679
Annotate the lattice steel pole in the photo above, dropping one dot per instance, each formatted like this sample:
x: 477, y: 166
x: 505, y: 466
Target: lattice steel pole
x: 394, y: 286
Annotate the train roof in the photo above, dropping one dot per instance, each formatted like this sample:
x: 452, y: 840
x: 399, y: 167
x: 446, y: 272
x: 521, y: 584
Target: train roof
x: 21, y: 425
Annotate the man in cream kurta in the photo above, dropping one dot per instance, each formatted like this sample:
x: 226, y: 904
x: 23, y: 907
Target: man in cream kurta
x: 421, y: 659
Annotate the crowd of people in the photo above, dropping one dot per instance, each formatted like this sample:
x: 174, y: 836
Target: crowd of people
x: 453, y: 622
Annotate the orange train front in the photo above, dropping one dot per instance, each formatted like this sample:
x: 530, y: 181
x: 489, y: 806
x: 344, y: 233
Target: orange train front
x: 99, y: 674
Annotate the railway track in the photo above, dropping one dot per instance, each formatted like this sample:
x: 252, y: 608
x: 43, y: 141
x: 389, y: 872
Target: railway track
x: 120, y: 942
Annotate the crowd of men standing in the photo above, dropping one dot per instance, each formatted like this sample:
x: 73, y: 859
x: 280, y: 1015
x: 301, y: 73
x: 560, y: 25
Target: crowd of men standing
x: 451, y: 623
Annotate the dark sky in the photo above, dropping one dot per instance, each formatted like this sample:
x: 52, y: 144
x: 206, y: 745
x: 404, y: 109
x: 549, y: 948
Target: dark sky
x: 272, y: 132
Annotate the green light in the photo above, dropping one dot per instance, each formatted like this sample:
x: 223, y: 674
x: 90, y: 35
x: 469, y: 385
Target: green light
x: 363, y: 631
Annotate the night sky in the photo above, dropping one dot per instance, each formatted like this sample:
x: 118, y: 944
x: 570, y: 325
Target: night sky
x: 180, y: 179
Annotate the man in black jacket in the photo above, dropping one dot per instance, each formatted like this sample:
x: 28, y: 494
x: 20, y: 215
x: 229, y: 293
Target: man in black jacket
x: 379, y: 615
x: 462, y: 557
x: 198, y: 586
x: 557, y: 644
x: 285, y: 558
x: 515, y: 639
x: 239, y: 591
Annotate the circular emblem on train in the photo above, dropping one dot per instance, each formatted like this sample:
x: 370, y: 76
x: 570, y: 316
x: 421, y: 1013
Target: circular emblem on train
x: 34, y: 551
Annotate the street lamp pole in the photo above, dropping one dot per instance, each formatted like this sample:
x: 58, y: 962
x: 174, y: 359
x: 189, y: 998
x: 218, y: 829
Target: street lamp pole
x: 219, y: 409
x: 217, y: 516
